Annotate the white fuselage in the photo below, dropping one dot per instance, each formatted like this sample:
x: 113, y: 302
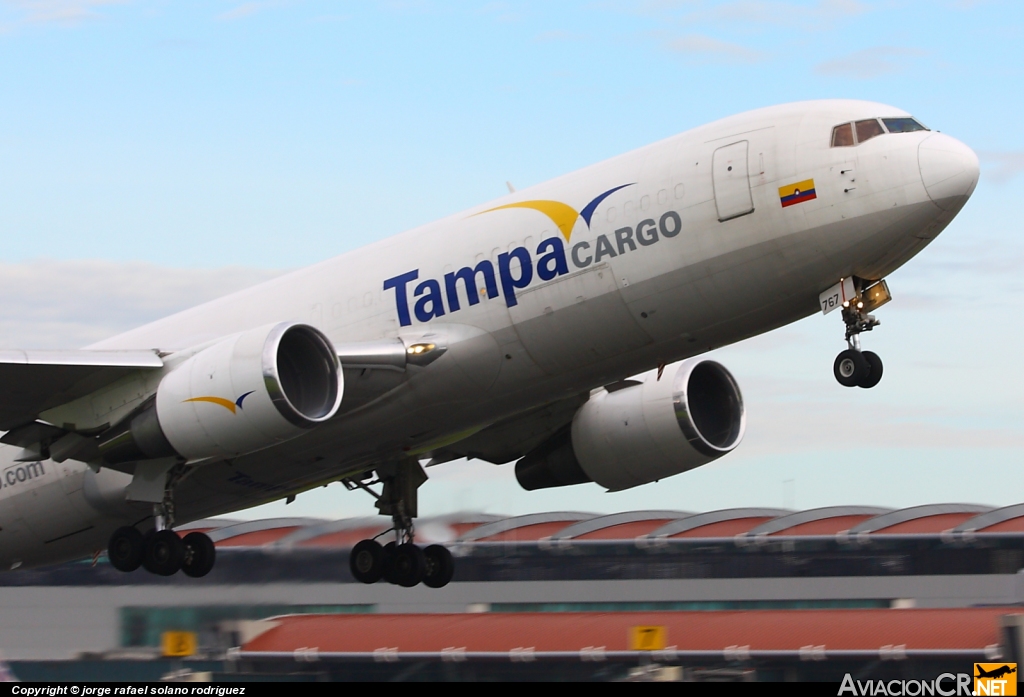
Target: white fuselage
x: 671, y: 263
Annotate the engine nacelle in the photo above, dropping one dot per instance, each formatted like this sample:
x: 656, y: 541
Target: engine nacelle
x: 643, y: 430
x: 242, y: 394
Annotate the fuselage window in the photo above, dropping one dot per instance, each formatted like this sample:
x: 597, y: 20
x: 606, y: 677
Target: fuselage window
x: 904, y: 124
x: 868, y: 129
x: 842, y: 136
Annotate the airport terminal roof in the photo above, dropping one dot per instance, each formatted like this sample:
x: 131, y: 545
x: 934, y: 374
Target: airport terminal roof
x: 808, y: 634
x: 573, y: 527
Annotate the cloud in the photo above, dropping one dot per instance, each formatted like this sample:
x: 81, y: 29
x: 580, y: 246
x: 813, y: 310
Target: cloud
x: 70, y: 304
x: 243, y: 10
x: 870, y: 63
x: 756, y: 13
x: 501, y: 11
x: 698, y: 45
x: 247, y: 9
x: 770, y: 12
x: 57, y: 11
x: 1005, y: 165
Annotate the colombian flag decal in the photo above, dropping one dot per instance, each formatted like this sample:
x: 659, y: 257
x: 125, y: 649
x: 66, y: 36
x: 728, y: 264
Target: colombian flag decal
x: 793, y: 194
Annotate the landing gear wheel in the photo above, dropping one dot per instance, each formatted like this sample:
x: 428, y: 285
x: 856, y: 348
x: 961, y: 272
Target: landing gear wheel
x: 850, y: 368
x: 408, y: 565
x: 439, y: 566
x: 162, y: 552
x: 874, y: 373
x: 367, y: 561
x: 199, y: 554
x: 125, y: 549
x: 400, y: 562
x: 387, y: 564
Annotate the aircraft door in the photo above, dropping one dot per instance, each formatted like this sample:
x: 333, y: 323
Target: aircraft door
x: 729, y: 171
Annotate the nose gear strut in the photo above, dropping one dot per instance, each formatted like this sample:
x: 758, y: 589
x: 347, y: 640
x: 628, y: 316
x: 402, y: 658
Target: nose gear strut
x: 855, y: 367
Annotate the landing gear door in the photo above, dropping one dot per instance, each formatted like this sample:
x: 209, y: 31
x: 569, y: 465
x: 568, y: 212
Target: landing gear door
x: 729, y: 171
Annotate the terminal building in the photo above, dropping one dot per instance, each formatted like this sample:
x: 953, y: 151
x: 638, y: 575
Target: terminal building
x: 745, y: 593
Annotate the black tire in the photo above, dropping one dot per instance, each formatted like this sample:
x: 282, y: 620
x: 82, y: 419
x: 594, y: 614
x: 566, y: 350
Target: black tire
x: 125, y: 549
x: 145, y: 544
x: 388, y: 563
x: 850, y: 368
x: 163, y: 552
x: 408, y: 565
x: 199, y: 555
x: 874, y: 373
x: 439, y: 566
x: 366, y: 561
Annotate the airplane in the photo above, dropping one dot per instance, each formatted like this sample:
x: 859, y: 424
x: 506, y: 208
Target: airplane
x: 560, y: 327
x: 995, y: 672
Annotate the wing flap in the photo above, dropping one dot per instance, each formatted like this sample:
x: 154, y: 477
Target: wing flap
x: 33, y: 381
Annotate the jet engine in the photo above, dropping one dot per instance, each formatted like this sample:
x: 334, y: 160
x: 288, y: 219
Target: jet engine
x: 242, y: 394
x: 642, y: 430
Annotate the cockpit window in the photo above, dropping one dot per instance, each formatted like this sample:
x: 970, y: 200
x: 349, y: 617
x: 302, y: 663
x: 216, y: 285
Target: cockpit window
x: 842, y: 136
x: 904, y: 124
x: 868, y: 129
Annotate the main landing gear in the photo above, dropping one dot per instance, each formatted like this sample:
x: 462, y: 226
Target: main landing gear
x: 400, y: 562
x: 161, y: 551
x: 854, y: 367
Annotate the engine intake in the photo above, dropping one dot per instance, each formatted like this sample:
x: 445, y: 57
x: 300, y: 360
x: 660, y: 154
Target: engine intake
x: 643, y: 432
x: 242, y: 394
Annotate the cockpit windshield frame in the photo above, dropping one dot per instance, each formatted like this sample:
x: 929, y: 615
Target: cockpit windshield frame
x: 853, y: 133
x: 903, y: 124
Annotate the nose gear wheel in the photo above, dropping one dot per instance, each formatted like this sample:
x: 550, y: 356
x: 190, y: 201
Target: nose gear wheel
x: 853, y: 367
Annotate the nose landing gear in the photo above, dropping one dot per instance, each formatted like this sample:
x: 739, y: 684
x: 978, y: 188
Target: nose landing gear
x: 401, y: 562
x: 854, y: 367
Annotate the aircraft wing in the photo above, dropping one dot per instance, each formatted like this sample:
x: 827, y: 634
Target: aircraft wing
x: 34, y: 381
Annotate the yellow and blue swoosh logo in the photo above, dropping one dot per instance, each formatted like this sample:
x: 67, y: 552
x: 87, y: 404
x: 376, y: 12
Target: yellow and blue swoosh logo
x: 562, y: 215
x: 233, y: 407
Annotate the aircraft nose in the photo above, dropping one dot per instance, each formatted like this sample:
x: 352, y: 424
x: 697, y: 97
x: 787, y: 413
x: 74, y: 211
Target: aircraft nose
x: 949, y: 170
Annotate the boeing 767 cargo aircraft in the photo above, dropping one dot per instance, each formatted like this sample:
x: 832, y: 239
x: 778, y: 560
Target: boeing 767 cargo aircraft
x: 558, y: 327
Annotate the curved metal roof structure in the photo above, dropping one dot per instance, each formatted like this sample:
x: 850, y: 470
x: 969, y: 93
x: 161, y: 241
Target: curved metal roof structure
x: 834, y: 514
x: 330, y: 527
x: 604, y: 522
x: 262, y: 531
x: 506, y: 525
x: 943, y: 512
x: 208, y: 524
x: 998, y: 517
x: 701, y: 520
x: 566, y: 527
